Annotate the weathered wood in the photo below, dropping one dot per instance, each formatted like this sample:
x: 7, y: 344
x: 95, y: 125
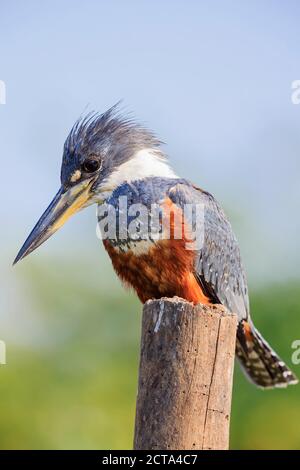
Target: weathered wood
x: 185, y: 376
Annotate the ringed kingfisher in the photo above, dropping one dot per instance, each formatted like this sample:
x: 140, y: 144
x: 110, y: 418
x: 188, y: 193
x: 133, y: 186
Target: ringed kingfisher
x: 107, y: 157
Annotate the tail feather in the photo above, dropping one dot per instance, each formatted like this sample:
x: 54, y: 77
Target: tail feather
x: 260, y: 363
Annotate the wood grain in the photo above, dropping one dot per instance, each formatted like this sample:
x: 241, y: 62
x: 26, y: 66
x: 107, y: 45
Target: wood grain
x: 185, y: 376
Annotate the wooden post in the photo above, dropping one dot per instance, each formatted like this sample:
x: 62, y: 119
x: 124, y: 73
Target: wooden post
x: 185, y: 376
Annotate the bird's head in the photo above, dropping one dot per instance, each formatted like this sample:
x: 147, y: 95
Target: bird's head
x: 100, y: 153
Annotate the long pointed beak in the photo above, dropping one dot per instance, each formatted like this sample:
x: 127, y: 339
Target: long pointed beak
x: 63, y: 206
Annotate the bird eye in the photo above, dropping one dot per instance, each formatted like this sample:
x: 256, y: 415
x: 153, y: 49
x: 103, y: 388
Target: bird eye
x: 91, y: 165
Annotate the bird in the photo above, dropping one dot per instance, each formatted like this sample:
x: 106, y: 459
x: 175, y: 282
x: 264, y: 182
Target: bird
x: 110, y: 158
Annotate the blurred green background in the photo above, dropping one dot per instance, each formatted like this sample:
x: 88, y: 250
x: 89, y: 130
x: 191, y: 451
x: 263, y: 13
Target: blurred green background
x: 214, y: 80
x: 74, y: 385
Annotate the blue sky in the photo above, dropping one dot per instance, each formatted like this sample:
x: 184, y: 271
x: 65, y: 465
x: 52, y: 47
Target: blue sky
x: 213, y: 79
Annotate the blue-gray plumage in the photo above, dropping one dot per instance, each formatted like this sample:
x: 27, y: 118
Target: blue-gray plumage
x: 218, y: 264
